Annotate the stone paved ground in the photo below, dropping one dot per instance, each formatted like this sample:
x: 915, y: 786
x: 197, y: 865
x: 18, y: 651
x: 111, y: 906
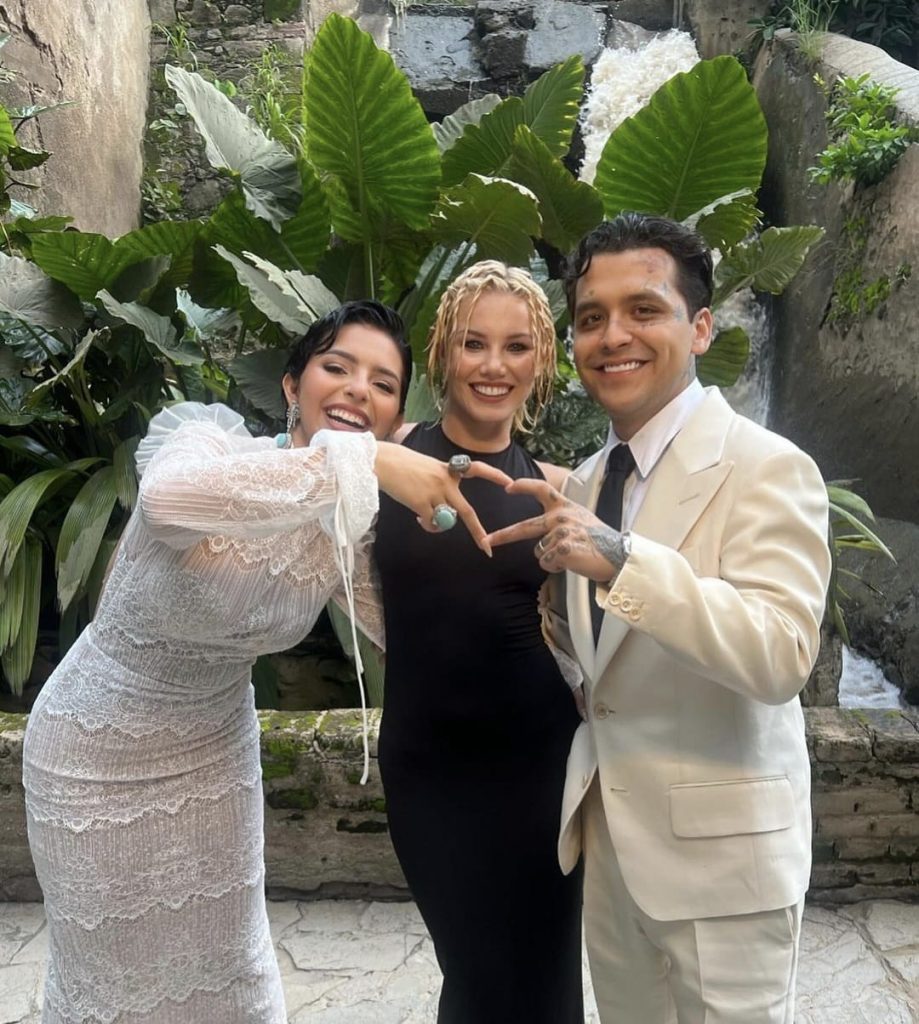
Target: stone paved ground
x: 372, y: 963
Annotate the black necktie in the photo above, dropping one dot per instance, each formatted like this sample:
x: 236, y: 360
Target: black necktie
x: 609, y: 509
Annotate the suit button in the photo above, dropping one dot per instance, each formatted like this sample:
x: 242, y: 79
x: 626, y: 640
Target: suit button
x: 614, y: 599
x: 626, y: 605
x: 601, y: 711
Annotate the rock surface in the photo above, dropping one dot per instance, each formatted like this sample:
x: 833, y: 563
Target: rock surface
x: 846, y: 387
x: 94, y: 55
x: 373, y: 963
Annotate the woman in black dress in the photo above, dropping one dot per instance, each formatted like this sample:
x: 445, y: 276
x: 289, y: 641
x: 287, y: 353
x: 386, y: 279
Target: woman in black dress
x: 477, y: 718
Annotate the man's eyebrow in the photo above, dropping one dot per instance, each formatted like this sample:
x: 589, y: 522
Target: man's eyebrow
x: 340, y: 353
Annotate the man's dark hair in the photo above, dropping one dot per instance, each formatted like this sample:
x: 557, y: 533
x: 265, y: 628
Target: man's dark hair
x: 639, y: 231
x: 322, y: 334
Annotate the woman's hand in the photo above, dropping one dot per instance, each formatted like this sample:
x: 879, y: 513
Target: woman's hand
x: 422, y: 483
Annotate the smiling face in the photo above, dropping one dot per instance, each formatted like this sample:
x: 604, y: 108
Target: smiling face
x: 634, y: 341
x: 353, y: 386
x: 492, y: 368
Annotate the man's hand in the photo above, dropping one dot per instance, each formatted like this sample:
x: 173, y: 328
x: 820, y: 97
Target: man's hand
x: 568, y: 535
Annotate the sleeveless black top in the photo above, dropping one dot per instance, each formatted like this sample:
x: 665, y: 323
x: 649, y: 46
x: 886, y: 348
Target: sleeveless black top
x: 466, y: 661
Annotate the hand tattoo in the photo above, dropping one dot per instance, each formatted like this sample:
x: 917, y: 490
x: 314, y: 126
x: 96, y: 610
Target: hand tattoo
x: 610, y: 544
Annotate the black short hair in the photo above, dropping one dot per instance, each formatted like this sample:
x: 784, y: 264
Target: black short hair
x: 640, y: 231
x: 322, y: 334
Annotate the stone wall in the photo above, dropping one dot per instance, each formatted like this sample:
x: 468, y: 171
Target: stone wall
x: 846, y: 390
x: 95, y: 56
x: 326, y: 835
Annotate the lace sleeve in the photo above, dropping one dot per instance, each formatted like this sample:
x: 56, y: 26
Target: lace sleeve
x: 368, y: 604
x: 203, y: 480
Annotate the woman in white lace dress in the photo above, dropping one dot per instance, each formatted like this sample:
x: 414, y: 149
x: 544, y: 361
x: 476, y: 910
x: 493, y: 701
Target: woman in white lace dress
x: 141, y: 760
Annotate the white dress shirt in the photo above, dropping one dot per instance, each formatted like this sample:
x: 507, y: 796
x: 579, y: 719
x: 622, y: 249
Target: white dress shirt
x: 650, y: 443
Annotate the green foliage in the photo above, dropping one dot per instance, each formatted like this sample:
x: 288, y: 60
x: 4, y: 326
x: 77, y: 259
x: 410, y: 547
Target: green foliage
x: 890, y: 24
x: 865, y: 143
x: 850, y: 517
x: 338, y: 188
x: 855, y: 295
x: 701, y: 137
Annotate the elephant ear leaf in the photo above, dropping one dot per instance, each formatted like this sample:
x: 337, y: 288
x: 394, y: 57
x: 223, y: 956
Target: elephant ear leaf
x: 28, y: 294
x: 701, y: 136
x: 499, y: 217
x: 448, y: 131
x: 549, y: 108
x: 766, y: 263
x: 725, y: 360
x: 267, y: 172
x: 365, y: 127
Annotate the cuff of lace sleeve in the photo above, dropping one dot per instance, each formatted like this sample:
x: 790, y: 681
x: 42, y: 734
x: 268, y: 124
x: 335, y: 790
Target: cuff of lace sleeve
x: 350, y: 458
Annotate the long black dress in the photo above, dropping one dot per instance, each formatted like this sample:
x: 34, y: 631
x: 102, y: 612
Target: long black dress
x: 476, y: 728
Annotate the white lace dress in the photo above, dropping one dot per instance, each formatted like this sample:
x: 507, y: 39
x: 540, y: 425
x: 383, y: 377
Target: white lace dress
x: 141, y: 761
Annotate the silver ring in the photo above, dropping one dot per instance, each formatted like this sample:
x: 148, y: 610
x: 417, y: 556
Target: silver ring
x: 444, y: 517
x: 541, y: 546
x: 458, y: 465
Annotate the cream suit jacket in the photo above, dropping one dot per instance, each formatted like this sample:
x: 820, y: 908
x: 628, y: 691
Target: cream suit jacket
x: 712, y: 628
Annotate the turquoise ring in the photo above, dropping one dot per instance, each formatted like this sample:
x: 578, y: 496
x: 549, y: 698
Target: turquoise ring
x: 444, y: 517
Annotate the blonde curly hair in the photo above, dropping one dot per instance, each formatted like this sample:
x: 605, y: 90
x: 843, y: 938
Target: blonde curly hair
x: 494, y: 276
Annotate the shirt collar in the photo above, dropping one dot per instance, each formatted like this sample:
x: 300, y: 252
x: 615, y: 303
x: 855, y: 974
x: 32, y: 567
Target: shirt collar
x: 650, y: 443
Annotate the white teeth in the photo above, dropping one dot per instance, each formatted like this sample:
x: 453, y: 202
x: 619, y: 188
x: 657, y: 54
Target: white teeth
x: 347, y: 417
x: 620, y: 367
x: 490, y: 391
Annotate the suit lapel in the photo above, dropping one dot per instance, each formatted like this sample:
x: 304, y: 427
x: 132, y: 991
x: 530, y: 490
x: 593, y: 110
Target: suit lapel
x: 684, y: 481
x: 583, y: 486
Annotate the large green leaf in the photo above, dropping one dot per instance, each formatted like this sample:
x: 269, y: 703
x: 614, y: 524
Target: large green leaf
x: 73, y: 368
x: 500, y: 217
x: 158, y: 330
x: 28, y: 294
x: 83, y: 261
x: 364, y: 125
x: 728, y: 220
x: 12, y: 595
x: 268, y: 173
x: 726, y: 358
x: 448, y: 131
x: 17, y: 660
x: 305, y: 236
x: 552, y: 104
x: 277, y: 304
x: 701, y: 136
x: 549, y: 108
x: 569, y: 208
x: 125, y: 477
x: 258, y: 376
x: 18, y: 507
x: 7, y: 135
x: 766, y: 263
x: 313, y: 299
x: 82, y: 531
x: 175, y: 239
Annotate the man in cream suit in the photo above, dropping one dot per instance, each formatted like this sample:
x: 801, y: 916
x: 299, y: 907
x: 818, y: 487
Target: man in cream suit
x: 688, y: 787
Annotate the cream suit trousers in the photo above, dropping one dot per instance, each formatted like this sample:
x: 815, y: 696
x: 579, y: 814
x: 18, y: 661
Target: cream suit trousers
x: 721, y: 970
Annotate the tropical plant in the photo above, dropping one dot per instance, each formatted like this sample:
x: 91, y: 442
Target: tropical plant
x: 849, y: 529
x: 865, y: 142
x: 365, y: 198
x: 890, y: 24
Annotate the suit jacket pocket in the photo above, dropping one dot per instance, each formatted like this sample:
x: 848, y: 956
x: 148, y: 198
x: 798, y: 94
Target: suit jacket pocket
x: 730, y: 808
